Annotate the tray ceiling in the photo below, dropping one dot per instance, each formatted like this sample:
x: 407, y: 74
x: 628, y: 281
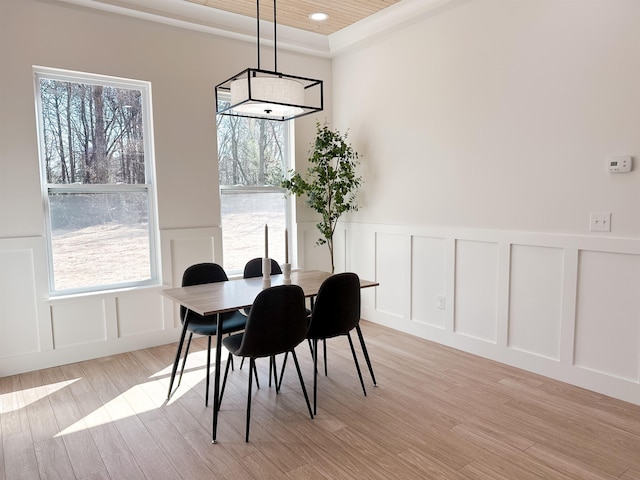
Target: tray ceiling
x: 349, y: 23
x: 295, y: 13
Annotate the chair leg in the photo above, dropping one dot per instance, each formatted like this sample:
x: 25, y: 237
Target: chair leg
x: 366, y: 354
x: 232, y: 366
x: 324, y: 350
x: 254, y: 369
x: 224, y: 380
x: 206, y: 393
x: 315, y: 375
x: 184, y: 360
x: 176, y: 362
x: 304, y: 389
x: 311, y: 344
x: 272, y: 362
x: 252, y: 366
x: 271, y: 370
x: 310, y: 347
x: 284, y: 363
x: 355, y: 359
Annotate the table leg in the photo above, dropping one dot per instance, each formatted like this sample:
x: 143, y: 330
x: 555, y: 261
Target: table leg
x: 216, y: 378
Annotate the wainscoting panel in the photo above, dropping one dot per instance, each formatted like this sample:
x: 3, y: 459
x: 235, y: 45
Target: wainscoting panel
x: 79, y: 322
x: 360, y: 249
x: 535, y: 300
x: 428, y: 281
x: 608, y: 314
x: 476, y: 308
x: 18, y: 306
x: 189, y: 251
x: 180, y: 249
x: 139, y: 314
x: 392, y: 262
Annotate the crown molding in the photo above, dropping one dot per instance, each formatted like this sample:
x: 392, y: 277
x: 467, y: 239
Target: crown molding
x: 188, y: 15
x: 391, y: 18
x: 192, y: 16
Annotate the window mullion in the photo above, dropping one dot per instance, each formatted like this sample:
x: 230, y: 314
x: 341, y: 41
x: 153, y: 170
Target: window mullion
x: 92, y: 188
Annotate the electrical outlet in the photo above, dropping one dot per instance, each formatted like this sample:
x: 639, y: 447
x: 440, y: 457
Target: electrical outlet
x: 600, y: 222
x: 441, y: 303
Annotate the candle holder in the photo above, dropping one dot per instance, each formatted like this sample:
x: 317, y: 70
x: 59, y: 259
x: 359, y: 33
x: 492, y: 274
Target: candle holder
x: 266, y: 267
x: 286, y: 272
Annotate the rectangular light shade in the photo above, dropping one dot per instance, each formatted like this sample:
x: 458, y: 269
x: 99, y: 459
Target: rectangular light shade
x: 270, y: 95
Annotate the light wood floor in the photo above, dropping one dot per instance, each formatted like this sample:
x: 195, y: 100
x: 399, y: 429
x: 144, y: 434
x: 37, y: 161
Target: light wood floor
x: 437, y: 413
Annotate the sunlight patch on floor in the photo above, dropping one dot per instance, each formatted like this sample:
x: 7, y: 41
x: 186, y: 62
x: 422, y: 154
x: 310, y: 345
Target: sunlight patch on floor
x: 12, y: 401
x: 133, y: 401
x: 142, y: 398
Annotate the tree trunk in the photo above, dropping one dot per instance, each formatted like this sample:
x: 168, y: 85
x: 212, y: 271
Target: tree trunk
x: 72, y: 159
x: 100, y: 144
x: 262, y: 145
x: 63, y: 164
x: 330, y: 245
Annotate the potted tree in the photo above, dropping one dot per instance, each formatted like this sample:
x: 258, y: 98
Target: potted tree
x: 330, y: 183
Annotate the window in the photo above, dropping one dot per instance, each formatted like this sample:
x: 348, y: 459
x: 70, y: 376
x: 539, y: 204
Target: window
x: 97, y: 180
x: 254, y: 156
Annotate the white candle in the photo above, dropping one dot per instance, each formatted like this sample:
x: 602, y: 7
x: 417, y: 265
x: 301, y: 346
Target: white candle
x: 266, y: 241
x: 286, y: 246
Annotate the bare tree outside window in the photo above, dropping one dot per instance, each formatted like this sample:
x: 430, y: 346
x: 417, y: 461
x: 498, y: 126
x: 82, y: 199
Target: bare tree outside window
x: 96, y: 178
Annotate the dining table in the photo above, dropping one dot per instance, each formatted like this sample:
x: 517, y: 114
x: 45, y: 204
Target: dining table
x: 213, y: 299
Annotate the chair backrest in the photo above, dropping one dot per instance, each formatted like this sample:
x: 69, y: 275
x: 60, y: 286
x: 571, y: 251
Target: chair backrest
x: 277, y: 322
x: 253, y: 268
x: 337, y: 306
x: 199, y: 274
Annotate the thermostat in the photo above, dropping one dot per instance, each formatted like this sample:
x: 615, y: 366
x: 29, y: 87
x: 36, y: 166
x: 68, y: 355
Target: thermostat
x: 620, y: 164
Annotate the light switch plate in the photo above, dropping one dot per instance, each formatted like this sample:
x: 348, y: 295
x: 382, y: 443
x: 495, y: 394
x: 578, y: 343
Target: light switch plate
x: 600, y: 222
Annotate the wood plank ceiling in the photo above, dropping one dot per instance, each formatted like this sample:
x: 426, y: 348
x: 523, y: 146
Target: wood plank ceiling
x: 295, y: 13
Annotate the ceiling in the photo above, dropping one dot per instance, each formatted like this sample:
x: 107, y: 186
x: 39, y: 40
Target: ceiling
x: 295, y: 13
x: 350, y: 21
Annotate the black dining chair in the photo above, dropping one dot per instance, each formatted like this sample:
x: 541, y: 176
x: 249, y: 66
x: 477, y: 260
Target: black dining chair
x: 336, y: 312
x: 253, y: 269
x: 192, y: 322
x: 277, y: 323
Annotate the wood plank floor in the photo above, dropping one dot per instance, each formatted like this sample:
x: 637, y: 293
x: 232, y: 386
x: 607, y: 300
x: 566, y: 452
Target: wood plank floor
x: 437, y: 413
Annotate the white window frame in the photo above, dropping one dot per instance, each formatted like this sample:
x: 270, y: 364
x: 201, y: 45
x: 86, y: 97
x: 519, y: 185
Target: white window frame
x: 149, y: 188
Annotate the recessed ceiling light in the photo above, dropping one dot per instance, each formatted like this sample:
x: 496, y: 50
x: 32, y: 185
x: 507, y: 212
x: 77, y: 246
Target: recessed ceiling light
x: 319, y: 17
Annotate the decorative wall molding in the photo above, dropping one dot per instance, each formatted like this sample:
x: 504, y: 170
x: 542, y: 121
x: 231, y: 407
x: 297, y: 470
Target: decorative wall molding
x: 39, y: 332
x: 563, y: 306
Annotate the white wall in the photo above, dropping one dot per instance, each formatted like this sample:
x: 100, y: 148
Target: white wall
x: 183, y: 67
x: 498, y: 114
x: 484, y: 128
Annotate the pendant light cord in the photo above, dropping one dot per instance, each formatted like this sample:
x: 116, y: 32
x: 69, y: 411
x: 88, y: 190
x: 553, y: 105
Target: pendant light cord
x: 258, y: 29
x: 275, y: 39
x: 275, y: 35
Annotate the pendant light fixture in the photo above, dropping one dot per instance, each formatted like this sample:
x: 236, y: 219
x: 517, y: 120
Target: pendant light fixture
x: 266, y: 94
